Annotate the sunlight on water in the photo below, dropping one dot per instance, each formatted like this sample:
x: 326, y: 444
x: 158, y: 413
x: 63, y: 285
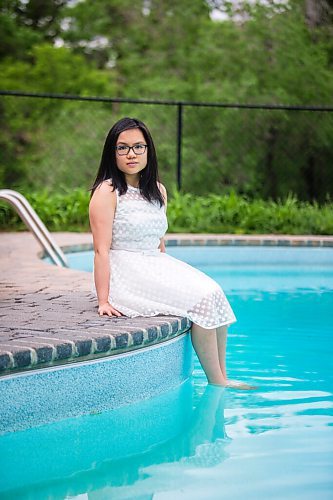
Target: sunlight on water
x: 204, y: 442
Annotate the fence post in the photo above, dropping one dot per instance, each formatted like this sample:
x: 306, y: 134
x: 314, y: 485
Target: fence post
x: 179, y: 144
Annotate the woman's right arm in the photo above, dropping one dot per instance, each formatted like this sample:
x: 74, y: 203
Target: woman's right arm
x: 101, y: 214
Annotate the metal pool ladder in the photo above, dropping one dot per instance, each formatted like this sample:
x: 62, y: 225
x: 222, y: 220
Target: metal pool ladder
x: 36, y: 226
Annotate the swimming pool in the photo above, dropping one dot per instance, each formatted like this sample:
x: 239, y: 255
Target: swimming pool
x: 203, y: 442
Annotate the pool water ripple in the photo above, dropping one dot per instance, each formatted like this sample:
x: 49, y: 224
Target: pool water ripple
x: 204, y: 442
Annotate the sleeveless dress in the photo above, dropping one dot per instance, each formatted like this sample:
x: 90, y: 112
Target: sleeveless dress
x: 145, y: 281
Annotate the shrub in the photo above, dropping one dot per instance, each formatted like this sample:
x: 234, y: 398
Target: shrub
x: 67, y: 210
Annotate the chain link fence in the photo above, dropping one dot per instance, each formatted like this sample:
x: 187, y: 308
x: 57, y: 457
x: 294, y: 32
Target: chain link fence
x: 260, y: 151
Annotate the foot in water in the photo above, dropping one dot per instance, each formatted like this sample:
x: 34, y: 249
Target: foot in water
x: 235, y: 384
x: 238, y: 384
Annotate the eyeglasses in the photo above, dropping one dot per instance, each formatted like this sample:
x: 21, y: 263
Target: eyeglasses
x: 138, y: 149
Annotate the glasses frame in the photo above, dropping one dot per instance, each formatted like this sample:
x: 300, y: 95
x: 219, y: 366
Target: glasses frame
x: 129, y: 148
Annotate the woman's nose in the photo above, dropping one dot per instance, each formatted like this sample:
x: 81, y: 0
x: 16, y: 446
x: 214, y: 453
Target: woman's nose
x: 131, y: 152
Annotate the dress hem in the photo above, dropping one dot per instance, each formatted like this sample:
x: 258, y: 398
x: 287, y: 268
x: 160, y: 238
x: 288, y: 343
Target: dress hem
x: 113, y: 304
x: 226, y: 323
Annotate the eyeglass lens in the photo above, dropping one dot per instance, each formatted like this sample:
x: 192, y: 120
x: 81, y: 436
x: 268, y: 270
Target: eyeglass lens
x: 138, y: 149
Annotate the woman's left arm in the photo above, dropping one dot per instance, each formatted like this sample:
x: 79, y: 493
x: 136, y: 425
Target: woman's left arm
x: 165, y: 197
x: 162, y: 245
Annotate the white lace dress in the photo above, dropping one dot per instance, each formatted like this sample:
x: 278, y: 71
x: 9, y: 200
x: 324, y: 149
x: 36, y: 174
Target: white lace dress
x: 147, y: 282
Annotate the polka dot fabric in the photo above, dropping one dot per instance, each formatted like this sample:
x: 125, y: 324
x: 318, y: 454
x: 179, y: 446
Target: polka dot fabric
x: 138, y: 224
x: 147, y: 282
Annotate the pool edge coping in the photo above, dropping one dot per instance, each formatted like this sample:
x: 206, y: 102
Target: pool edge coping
x: 198, y: 239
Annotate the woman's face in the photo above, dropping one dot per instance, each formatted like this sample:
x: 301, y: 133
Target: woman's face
x: 131, y: 162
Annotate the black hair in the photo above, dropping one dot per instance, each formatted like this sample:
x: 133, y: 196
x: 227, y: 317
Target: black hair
x: 108, y: 166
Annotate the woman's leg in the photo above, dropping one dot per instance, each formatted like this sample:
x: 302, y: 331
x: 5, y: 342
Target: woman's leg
x: 210, y: 346
x: 205, y: 345
x: 221, y: 335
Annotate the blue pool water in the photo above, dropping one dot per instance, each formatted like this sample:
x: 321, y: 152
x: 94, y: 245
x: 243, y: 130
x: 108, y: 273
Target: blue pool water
x: 204, y: 442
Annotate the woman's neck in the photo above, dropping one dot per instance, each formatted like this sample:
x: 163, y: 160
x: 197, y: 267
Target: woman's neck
x: 132, y: 180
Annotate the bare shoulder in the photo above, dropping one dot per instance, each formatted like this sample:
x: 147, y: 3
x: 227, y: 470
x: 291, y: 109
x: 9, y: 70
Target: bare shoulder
x: 104, y: 196
x: 163, y: 190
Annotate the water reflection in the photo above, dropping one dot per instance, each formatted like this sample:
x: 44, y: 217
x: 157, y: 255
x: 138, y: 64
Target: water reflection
x: 121, y: 452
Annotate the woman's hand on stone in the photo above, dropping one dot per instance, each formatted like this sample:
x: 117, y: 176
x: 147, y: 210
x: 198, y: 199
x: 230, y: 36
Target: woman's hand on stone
x: 108, y: 310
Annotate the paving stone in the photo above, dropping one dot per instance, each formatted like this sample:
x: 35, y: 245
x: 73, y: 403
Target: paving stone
x: 83, y: 347
x: 22, y: 358
x: 122, y: 340
x: 152, y: 333
x: 44, y: 354
x: 103, y: 344
x: 5, y: 361
x: 64, y: 351
x: 137, y: 338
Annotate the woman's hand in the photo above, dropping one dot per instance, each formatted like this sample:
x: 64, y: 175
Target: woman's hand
x: 108, y: 310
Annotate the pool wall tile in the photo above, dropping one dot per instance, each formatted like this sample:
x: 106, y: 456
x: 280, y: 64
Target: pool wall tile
x: 22, y: 358
x: 43, y: 455
x: 40, y: 396
x: 64, y: 351
x: 44, y: 354
x: 103, y: 344
x: 83, y: 347
x: 5, y: 361
x: 152, y: 333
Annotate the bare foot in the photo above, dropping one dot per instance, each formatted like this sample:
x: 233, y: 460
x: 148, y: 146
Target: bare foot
x: 234, y: 384
x: 238, y: 384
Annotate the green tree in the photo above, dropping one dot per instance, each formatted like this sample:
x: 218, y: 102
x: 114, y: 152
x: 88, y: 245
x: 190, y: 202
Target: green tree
x: 31, y: 130
x: 262, y: 52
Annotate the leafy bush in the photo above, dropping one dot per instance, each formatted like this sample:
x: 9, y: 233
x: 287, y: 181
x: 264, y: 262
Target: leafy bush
x: 232, y: 213
x: 63, y: 211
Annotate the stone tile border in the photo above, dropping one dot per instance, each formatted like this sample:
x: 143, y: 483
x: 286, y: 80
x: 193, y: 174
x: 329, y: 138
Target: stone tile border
x: 230, y: 240
x: 33, y: 349
x: 248, y: 240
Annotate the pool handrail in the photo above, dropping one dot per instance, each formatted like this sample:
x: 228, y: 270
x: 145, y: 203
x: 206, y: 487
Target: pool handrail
x: 36, y: 226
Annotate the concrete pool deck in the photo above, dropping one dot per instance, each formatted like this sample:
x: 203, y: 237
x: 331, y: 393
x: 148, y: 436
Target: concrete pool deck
x: 48, y: 316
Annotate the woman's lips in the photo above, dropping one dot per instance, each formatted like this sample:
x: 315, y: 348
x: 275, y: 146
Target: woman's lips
x: 132, y: 164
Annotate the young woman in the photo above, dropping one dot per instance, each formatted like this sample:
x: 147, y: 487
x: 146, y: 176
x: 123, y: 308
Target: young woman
x: 133, y: 275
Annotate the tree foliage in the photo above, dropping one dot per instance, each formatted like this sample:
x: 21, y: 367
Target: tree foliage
x: 269, y: 52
